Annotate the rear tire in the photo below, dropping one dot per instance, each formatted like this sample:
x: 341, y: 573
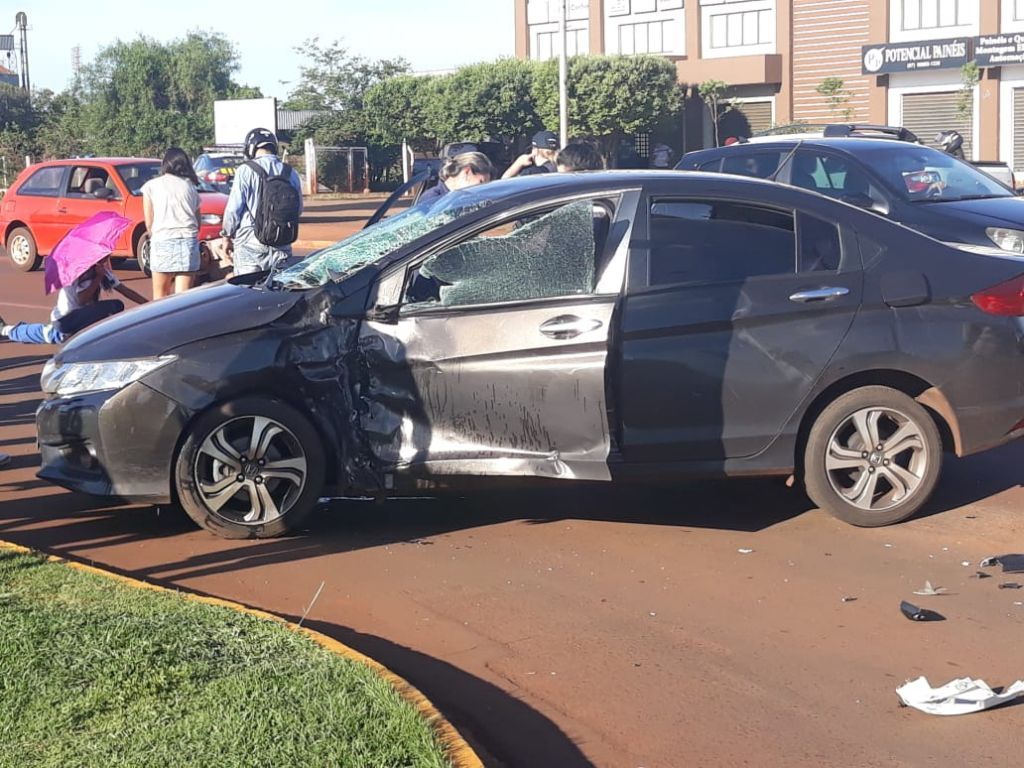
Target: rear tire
x: 22, y: 251
x: 252, y: 468
x: 881, y: 483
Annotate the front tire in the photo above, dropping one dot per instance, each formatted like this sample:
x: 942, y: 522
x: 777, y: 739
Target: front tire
x: 142, y: 254
x: 22, y: 250
x: 873, y: 457
x: 252, y: 468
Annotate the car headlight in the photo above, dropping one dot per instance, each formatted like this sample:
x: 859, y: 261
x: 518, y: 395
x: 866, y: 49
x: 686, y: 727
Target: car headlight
x: 78, y: 378
x: 1007, y: 239
x: 210, y: 218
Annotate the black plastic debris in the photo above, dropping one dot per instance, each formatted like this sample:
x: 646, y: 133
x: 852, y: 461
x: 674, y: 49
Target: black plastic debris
x: 981, y: 575
x: 1010, y: 563
x: 914, y: 613
x: 1011, y: 585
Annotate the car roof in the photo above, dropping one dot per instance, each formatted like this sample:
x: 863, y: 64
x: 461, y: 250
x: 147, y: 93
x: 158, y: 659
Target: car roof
x: 843, y: 143
x: 525, y: 188
x: 104, y: 160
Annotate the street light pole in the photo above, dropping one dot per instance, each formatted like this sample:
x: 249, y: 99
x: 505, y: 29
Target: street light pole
x: 563, y: 97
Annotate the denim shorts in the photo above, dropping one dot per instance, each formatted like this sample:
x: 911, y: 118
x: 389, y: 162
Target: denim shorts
x: 180, y: 254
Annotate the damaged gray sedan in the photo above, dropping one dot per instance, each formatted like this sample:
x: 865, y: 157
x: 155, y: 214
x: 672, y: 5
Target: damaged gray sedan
x: 567, y: 327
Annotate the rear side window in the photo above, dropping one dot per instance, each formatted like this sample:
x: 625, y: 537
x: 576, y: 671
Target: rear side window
x: 711, y: 166
x: 759, y: 165
x: 43, y: 183
x: 820, y: 245
x: 698, y: 241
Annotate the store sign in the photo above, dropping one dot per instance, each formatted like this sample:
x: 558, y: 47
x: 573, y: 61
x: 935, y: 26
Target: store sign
x: 886, y: 58
x: 997, y: 50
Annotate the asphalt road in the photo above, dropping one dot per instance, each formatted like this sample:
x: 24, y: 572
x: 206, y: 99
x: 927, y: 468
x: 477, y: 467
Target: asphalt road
x: 615, y: 627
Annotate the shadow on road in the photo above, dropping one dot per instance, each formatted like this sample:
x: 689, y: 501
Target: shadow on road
x: 500, y: 726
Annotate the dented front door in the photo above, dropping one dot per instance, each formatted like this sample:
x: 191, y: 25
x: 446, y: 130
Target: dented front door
x: 504, y: 392
x: 502, y: 388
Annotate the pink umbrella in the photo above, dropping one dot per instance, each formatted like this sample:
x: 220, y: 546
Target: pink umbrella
x: 82, y: 247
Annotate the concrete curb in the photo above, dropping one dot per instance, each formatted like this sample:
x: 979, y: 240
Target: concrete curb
x: 456, y: 748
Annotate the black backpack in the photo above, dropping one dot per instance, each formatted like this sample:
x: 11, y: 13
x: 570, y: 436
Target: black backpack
x: 277, y: 209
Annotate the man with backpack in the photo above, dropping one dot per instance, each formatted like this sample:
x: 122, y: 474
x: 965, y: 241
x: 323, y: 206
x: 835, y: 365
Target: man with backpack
x: 262, y: 214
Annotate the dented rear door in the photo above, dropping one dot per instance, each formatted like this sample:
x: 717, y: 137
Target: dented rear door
x: 487, y: 382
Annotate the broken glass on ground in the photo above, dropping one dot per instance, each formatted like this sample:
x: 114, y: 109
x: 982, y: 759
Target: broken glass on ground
x: 957, y: 697
x: 552, y: 255
x: 928, y: 589
x: 914, y: 613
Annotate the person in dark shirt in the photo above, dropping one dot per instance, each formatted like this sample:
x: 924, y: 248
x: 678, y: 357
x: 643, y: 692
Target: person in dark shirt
x: 540, y: 158
x: 459, y: 172
x: 579, y: 156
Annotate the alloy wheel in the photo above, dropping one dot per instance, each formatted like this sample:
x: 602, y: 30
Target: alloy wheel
x: 250, y: 470
x: 877, y: 458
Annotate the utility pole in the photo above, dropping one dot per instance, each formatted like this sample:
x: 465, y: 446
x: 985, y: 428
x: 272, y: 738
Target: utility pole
x: 21, y: 21
x: 563, y: 97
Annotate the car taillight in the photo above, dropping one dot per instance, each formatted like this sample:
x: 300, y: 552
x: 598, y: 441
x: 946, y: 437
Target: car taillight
x: 1006, y: 299
x: 216, y: 176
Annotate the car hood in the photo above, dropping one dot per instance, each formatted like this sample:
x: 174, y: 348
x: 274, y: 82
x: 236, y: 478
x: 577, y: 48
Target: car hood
x: 992, y: 212
x: 160, y: 326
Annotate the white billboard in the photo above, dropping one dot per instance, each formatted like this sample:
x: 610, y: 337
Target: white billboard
x: 234, y: 118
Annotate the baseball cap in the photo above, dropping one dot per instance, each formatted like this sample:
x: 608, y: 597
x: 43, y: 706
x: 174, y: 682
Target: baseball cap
x: 545, y: 140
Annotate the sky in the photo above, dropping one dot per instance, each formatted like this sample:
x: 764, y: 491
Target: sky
x: 434, y: 35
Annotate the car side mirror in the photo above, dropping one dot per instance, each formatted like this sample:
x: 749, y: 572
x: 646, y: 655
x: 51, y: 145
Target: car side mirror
x: 104, y: 193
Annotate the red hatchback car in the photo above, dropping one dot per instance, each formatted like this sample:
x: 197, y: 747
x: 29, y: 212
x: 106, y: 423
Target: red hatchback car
x: 48, y: 199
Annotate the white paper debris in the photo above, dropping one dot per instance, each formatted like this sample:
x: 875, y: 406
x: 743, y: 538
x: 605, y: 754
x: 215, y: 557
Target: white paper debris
x: 928, y: 589
x: 744, y: 551
x: 958, y: 697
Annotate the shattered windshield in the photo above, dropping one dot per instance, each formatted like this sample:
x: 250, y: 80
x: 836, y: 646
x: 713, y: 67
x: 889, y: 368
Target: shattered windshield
x: 377, y: 241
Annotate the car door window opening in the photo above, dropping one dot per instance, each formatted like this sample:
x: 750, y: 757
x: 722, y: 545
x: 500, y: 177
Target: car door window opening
x: 85, y: 180
x: 534, y: 256
x: 717, y: 241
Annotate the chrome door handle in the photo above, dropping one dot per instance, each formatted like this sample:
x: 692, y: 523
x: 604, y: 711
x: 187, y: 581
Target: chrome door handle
x: 819, y: 294
x: 569, y: 326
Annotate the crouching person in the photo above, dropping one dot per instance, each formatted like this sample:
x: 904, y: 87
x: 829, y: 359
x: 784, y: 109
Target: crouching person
x: 78, y: 306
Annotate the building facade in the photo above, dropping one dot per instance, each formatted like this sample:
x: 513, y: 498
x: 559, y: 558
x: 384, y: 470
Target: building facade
x: 901, y: 62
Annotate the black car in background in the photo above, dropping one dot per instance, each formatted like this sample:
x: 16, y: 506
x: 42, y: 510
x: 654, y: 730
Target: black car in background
x: 599, y: 326
x: 923, y: 188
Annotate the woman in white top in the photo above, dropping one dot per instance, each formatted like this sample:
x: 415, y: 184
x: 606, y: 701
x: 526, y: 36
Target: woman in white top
x: 171, y: 206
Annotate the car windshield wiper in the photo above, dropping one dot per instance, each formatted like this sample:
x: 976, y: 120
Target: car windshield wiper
x: 959, y: 199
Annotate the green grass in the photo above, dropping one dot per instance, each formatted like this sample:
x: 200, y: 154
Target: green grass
x: 96, y: 673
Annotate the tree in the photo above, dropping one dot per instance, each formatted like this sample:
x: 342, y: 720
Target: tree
x: 484, y: 100
x: 396, y: 110
x: 837, y: 97
x: 142, y: 96
x: 970, y: 76
x: 713, y: 94
x: 610, y: 96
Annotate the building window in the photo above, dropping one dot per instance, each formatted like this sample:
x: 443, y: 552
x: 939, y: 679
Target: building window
x: 934, y: 14
x: 738, y: 27
x: 546, y: 45
x: 911, y: 20
x: 645, y: 26
x: 729, y: 30
x: 647, y: 37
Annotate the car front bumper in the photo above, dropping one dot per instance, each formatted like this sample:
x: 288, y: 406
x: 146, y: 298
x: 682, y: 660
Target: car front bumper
x: 118, y: 443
